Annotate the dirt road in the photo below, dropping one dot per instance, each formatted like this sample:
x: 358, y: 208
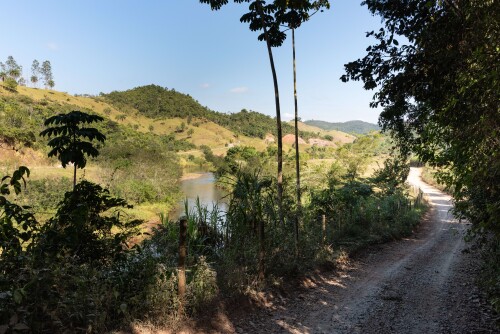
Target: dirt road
x: 423, y: 284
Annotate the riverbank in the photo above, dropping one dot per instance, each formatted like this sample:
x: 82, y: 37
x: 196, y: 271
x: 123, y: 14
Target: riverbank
x: 191, y: 176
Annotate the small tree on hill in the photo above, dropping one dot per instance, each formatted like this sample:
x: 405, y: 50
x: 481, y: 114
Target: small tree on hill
x: 3, y: 71
x: 69, y: 144
x: 35, y: 72
x: 10, y: 84
x: 14, y: 70
x: 46, y: 71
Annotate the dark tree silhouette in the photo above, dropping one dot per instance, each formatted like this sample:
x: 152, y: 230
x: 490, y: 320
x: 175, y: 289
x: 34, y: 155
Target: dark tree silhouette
x: 69, y: 144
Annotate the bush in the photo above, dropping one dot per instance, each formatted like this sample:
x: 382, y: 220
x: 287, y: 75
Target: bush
x: 10, y: 84
x: 43, y: 195
x: 81, y: 230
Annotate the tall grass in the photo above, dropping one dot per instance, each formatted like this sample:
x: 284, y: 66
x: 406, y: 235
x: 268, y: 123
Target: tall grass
x: 228, y: 253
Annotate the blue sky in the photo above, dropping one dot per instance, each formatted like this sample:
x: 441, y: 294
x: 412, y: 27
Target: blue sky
x: 100, y: 46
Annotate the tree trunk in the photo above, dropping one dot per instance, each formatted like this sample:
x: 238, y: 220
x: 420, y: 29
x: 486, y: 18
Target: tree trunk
x: 278, y: 119
x: 74, y: 165
x: 297, y: 161
x: 74, y: 176
x: 182, y: 264
x: 262, y: 252
x: 323, y: 229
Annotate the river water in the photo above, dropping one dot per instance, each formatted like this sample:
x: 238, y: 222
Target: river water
x: 199, y: 185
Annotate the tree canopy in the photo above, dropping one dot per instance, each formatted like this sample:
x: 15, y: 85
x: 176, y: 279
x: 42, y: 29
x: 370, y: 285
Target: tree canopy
x: 436, y: 67
x: 69, y: 144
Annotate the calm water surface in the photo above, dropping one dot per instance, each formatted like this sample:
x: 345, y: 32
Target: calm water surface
x: 203, y: 186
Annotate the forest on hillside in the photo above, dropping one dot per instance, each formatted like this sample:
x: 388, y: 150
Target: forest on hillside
x: 161, y: 103
x: 354, y: 127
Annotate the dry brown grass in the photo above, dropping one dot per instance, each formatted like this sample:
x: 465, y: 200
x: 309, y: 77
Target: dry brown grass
x: 338, y: 136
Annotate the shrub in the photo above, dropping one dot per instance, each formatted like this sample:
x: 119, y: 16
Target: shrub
x: 10, y: 84
x: 81, y: 230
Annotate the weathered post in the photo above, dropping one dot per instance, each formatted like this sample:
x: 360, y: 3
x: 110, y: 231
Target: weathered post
x: 182, y: 263
x: 323, y: 228
x: 262, y: 251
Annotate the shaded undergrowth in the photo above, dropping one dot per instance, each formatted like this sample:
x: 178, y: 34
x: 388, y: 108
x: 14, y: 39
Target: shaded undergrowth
x: 78, y: 273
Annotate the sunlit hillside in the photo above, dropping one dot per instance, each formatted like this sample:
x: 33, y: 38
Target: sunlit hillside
x: 338, y: 136
x: 204, y: 132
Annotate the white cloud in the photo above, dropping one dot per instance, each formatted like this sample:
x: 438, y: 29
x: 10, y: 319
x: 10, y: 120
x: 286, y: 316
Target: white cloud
x: 205, y: 85
x: 239, y: 90
x: 52, y: 46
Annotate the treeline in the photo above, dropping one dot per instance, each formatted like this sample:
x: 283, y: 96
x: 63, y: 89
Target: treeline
x: 11, y: 73
x: 356, y: 127
x: 157, y: 102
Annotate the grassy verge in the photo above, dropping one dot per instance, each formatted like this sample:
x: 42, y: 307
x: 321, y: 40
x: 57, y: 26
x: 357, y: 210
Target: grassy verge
x: 429, y: 177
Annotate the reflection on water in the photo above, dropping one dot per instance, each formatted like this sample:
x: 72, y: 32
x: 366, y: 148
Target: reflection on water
x: 202, y: 186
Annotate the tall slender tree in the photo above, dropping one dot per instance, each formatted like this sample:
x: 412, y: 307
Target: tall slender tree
x: 35, y: 72
x: 292, y: 14
x: 260, y: 18
x: 268, y: 17
x: 3, y: 71
x: 13, y: 69
x: 46, y: 72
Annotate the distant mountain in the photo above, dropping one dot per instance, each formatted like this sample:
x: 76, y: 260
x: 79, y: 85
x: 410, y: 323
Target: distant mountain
x: 357, y: 127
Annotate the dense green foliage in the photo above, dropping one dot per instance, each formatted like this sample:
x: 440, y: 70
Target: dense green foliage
x: 160, y: 103
x: 72, y: 140
x: 356, y: 215
x: 155, y: 102
x: 126, y: 153
x: 78, y: 271
x: 38, y: 262
x: 18, y: 225
x: 78, y: 230
x: 44, y: 195
x: 143, y: 167
x: 439, y: 86
x: 355, y: 127
x: 21, y: 119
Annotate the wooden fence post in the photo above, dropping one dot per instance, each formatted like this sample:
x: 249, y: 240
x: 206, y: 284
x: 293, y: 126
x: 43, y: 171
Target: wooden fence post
x: 182, y: 263
x: 262, y: 251
x: 323, y: 228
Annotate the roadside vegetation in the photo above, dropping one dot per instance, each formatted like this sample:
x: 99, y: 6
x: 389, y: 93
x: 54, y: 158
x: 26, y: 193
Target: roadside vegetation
x: 434, y: 66
x: 84, y: 268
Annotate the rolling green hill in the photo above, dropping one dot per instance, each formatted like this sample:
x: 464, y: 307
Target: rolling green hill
x: 149, y: 114
x: 157, y: 102
x: 355, y: 127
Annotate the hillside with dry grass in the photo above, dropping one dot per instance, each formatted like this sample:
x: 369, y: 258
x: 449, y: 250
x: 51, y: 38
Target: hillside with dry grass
x: 143, y: 157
